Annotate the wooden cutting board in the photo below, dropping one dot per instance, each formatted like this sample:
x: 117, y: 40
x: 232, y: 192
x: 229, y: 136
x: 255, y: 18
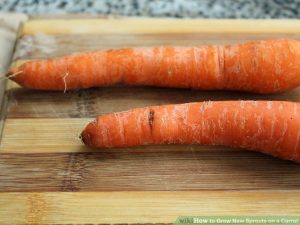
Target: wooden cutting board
x: 47, y: 176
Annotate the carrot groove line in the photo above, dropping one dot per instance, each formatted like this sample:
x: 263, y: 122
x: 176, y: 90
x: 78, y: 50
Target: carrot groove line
x: 260, y: 66
x: 269, y: 127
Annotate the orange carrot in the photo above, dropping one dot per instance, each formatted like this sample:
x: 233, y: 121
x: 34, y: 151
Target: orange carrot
x: 259, y: 66
x: 269, y: 127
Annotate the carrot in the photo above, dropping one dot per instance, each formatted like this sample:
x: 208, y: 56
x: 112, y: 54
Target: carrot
x: 270, y: 127
x: 260, y: 66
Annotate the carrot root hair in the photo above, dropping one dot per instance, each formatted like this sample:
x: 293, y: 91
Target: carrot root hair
x: 65, y: 82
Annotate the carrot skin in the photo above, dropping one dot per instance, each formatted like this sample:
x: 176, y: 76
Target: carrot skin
x: 260, y: 66
x: 269, y: 127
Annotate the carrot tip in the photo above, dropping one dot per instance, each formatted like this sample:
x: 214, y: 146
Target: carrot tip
x: 80, y: 137
x: 12, y: 74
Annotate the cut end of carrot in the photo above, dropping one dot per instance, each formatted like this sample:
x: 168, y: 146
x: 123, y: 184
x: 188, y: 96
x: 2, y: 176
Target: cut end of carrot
x: 85, y: 137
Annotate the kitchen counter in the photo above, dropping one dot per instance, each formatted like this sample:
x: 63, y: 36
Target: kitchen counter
x: 159, y: 8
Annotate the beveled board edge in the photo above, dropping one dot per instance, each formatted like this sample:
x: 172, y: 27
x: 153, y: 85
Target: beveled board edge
x: 135, y: 25
x: 9, y: 30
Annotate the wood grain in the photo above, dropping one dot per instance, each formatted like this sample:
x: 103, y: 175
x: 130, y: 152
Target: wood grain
x: 158, y: 26
x: 140, y: 207
x: 42, y: 135
x: 185, y: 168
x: 98, y: 101
x: 42, y: 45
